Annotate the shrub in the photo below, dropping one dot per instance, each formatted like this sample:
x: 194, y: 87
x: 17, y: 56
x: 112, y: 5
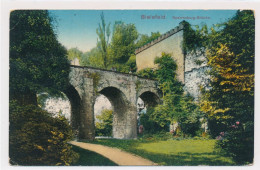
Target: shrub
x: 150, y: 126
x: 238, y: 142
x: 147, y: 73
x: 36, y: 138
x: 104, y: 128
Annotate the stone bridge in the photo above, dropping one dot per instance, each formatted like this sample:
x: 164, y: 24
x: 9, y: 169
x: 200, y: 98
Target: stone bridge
x: 121, y: 89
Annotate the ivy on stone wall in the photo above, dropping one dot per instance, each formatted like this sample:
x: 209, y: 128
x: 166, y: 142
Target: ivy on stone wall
x: 194, y: 40
x: 138, y: 85
x: 96, y: 79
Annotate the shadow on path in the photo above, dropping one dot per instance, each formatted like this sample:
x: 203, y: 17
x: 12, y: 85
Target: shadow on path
x: 116, y: 155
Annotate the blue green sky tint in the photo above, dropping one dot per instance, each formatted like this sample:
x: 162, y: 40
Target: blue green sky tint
x: 77, y: 28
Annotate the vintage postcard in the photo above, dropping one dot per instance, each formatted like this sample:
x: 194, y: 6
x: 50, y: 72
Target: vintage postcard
x: 131, y: 85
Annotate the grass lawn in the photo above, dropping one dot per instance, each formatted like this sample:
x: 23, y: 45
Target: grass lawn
x: 172, y: 152
x: 88, y: 158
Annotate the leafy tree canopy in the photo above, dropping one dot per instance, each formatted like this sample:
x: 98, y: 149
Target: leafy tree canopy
x: 231, y: 57
x: 230, y: 100
x: 103, y: 32
x: 37, y: 60
x: 123, y: 42
x: 74, y: 53
x: 117, y: 53
x: 145, y: 39
x: 92, y: 58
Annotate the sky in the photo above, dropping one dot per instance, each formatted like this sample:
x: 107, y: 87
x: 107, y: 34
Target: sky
x: 77, y: 28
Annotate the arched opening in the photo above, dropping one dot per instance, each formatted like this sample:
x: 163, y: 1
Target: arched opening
x: 56, y: 105
x: 68, y: 104
x: 103, y: 114
x: 150, y: 99
x: 75, y: 102
x: 141, y: 109
x: 120, y: 111
x: 146, y: 101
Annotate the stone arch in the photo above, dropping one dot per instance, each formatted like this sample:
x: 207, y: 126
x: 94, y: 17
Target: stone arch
x: 75, y: 102
x: 150, y: 98
x: 106, y: 84
x: 121, y: 112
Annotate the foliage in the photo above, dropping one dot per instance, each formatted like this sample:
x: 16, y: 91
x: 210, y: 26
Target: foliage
x: 123, y: 44
x: 41, y: 99
x: 145, y: 39
x: 92, y: 58
x: 38, y: 61
x: 147, y: 73
x: 116, y: 55
x: 194, y: 41
x: 171, y: 152
x: 176, y: 106
x: 103, y: 33
x: 96, y: 78
x: 74, y: 53
x: 189, y: 120
x: 150, y: 125
x: 119, y: 53
x: 104, y: 128
x: 36, y: 142
x: 237, y: 142
x: 131, y: 64
x: 230, y: 54
x: 166, y: 75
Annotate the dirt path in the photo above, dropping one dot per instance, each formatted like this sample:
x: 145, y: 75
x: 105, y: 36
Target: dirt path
x: 116, y: 155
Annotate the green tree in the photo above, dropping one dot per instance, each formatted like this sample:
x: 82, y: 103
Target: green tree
x: 75, y: 53
x: 195, y: 39
x: 230, y: 100
x: 151, y: 126
x: 104, y: 127
x: 171, y: 89
x: 131, y: 63
x: 38, y: 61
x: 144, y: 39
x: 103, y: 32
x: 119, y: 53
x: 92, y: 58
x: 123, y: 45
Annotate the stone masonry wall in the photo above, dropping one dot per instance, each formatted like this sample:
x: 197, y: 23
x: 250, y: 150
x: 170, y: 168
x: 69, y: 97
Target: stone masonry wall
x: 195, y: 74
x: 121, y: 89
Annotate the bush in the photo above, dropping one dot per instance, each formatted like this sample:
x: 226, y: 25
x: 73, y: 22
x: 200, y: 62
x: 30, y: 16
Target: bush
x: 238, y: 142
x: 191, y: 127
x: 150, y: 126
x: 104, y: 128
x: 36, y: 138
x: 215, y: 127
x: 147, y: 73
